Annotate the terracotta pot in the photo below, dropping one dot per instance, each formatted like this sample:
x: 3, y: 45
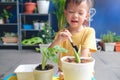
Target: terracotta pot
x: 117, y: 47
x: 29, y: 7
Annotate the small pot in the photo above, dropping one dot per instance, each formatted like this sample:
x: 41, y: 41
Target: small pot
x: 117, y: 47
x: 43, y: 6
x: 1, y: 21
x: 25, y: 72
x: 36, y: 25
x: 109, y: 47
x: 29, y: 7
x: 43, y: 74
x: 42, y: 24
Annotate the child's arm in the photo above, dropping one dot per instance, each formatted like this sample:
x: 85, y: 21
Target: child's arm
x: 55, y: 42
x: 85, y: 52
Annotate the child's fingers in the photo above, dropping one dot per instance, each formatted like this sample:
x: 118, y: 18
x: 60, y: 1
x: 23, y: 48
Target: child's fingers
x: 68, y: 32
x: 64, y: 34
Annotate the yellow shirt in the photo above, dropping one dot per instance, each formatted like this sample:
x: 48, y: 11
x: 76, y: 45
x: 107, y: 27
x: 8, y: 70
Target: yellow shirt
x: 83, y: 39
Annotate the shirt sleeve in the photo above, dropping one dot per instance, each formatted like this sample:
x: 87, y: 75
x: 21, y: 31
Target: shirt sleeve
x: 89, y: 40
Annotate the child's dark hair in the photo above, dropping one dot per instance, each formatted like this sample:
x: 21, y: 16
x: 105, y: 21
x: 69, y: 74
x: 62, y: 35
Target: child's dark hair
x: 89, y: 2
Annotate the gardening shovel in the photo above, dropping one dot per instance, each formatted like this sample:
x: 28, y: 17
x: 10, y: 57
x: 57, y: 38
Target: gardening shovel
x: 74, y: 46
x: 71, y: 41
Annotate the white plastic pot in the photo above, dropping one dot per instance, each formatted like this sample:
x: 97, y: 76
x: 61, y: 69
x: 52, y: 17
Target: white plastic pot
x: 43, y: 6
x: 25, y: 72
x: 41, y: 24
x: 36, y: 25
x: 1, y: 21
x: 109, y: 47
x: 77, y: 71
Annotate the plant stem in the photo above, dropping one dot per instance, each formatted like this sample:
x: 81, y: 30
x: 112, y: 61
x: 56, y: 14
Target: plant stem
x: 77, y: 58
x: 44, y: 61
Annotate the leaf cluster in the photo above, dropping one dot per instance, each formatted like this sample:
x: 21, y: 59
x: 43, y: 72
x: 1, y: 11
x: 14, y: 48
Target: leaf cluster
x: 108, y: 37
x: 10, y: 34
x: 47, y: 34
x: 116, y: 38
x: 6, y: 14
x: 49, y: 54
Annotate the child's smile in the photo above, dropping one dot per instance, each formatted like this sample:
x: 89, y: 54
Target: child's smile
x: 74, y: 21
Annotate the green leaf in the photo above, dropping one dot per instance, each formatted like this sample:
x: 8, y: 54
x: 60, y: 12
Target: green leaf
x: 77, y: 58
x: 50, y: 54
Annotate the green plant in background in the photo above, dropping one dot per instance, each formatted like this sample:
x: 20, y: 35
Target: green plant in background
x: 47, y: 34
x: 1, y: 17
x: 6, y: 14
x: 116, y: 38
x: 10, y: 34
x: 50, y: 54
x: 108, y: 37
x: 59, y: 12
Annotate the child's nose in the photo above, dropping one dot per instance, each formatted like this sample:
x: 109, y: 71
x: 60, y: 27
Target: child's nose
x: 75, y: 14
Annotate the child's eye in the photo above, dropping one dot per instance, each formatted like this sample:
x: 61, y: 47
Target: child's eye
x: 81, y: 13
x: 71, y: 11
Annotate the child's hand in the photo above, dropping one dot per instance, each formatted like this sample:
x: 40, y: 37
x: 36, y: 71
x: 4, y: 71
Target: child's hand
x: 61, y: 37
x: 64, y: 35
x: 61, y: 76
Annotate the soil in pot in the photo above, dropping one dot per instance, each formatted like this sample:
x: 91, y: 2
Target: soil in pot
x: 47, y: 67
x: 72, y: 60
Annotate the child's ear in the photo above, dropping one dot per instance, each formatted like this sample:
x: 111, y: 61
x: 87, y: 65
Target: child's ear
x: 86, y: 21
x: 87, y: 16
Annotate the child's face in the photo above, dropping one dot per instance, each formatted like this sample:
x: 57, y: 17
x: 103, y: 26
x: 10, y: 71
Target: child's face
x: 76, y: 14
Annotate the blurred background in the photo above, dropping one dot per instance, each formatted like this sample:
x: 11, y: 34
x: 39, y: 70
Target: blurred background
x: 107, y: 17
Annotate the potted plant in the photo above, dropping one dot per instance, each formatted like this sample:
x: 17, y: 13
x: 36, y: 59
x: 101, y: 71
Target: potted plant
x: 44, y: 71
x: 59, y: 12
x: 76, y: 67
x: 117, y: 43
x: 36, y: 24
x: 108, y: 41
x: 47, y: 34
x: 6, y: 15
x: 30, y: 7
x: 43, y: 6
x: 10, y: 37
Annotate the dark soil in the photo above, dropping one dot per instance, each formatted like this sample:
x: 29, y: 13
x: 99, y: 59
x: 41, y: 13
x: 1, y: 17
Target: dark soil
x: 72, y: 60
x: 47, y: 67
